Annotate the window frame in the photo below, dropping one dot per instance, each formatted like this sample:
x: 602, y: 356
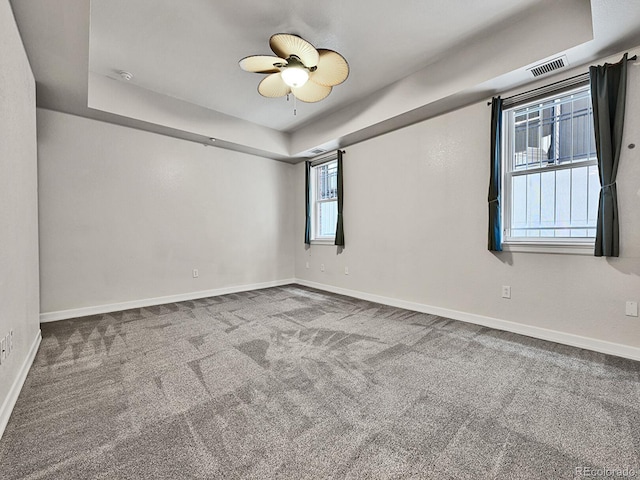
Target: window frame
x: 563, y: 245
x: 317, y: 239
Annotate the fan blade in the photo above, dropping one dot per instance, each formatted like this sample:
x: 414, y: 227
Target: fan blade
x: 284, y: 45
x: 261, y: 63
x: 311, y: 92
x: 332, y: 70
x: 273, y: 86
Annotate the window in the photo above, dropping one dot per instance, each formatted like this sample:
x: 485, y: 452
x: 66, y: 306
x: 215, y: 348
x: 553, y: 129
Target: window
x: 324, y: 200
x: 550, y: 182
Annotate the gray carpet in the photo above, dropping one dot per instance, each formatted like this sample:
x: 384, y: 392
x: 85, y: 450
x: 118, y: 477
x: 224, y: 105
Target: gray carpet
x: 296, y: 383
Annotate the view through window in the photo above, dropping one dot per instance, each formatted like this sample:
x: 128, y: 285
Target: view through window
x: 325, y: 196
x: 551, y: 185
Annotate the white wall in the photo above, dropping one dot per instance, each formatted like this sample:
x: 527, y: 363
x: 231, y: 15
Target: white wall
x: 415, y: 213
x: 547, y: 29
x: 131, y: 101
x: 125, y: 215
x: 19, y: 305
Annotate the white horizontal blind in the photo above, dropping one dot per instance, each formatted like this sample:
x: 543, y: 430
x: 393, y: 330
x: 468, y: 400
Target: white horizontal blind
x: 551, y: 178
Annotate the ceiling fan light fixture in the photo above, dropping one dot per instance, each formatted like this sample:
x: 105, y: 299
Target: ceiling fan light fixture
x: 298, y: 68
x: 295, y: 76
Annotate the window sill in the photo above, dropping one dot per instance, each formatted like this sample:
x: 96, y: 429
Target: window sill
x: 328, y: 241
x: 582, y: 248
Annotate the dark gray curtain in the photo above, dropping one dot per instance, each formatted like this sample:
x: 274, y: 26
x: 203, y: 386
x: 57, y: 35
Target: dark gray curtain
x: 339, y: 225
x: 307, y: 225
x: 608, y: 92
x: 495, y: 225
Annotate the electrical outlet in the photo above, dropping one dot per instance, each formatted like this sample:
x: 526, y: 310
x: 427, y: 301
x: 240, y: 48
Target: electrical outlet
x: 346, y: 270
x: 631, y: 309
x: 322, y: 267
x: 6, y: 346
x: 195, y: 273
x: 307, y: 264
x: 506, y: 291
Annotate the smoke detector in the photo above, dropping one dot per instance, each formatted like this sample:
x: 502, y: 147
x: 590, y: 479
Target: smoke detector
x: 125, y: 75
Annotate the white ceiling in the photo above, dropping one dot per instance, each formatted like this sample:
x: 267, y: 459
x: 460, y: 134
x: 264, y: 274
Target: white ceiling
x: 190, y: 49
x: 409, y: 59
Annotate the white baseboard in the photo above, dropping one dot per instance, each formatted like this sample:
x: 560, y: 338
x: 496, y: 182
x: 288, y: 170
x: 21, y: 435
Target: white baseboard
x: 16, y: 387
x: 573, y: 340
x: 149, y: 302
x: 570, y: 339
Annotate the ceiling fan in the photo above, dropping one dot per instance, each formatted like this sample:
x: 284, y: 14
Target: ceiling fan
x: 298, y: 68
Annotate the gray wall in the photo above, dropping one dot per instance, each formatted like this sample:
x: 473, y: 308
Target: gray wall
x: 126, y: 215
x: 19, y: 304
x: 415, y: 214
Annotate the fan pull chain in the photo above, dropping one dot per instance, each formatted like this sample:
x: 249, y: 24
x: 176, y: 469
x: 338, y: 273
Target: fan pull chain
x: 295, y: 104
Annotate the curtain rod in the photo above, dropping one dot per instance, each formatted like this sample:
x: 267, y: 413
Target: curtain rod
x: 325, y: 158
x: 575, y: 77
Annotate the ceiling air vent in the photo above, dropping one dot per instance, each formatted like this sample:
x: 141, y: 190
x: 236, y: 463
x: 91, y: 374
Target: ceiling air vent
x: 317, y: 151
x: 550, y: 66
